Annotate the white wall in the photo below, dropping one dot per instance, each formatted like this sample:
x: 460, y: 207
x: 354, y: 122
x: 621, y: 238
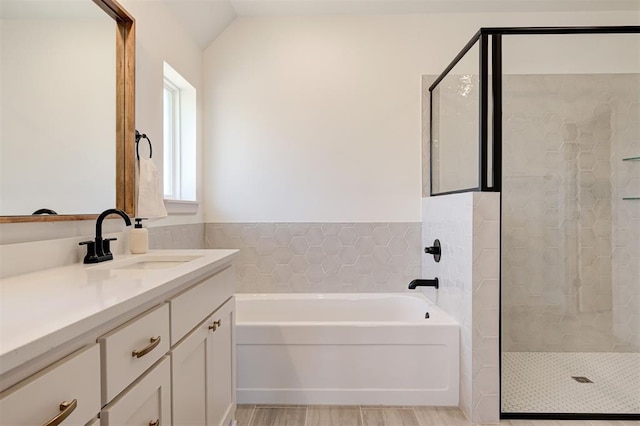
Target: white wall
x: 317, y: 119
x: 161, y: 37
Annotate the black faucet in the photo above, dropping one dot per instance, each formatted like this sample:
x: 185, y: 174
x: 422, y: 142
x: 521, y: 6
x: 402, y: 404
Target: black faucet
x: 424, y: 283
x: 99, y: 250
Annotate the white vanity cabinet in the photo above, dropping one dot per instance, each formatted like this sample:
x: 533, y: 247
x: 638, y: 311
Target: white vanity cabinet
x: 145, y: 403
x: 221, y: 404
x: 156, y: 348
x: 203, y: 363
x: 67, y: 392
x: 129, y: 350
x: 196, y: 303
x: 189, y: 362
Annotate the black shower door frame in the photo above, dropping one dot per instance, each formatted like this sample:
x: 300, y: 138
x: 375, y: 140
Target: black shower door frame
x: 490, y: 151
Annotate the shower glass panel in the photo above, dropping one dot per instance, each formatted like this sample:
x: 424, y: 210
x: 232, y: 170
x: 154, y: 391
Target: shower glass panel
x: 570, y: 285
x: 455, y: 121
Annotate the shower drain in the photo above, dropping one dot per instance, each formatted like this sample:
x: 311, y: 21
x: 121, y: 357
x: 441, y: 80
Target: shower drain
x: 581, y: 379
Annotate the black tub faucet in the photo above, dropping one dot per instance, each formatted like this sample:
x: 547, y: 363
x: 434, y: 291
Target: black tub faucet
x: 424, y: 283
x: 99, y: 250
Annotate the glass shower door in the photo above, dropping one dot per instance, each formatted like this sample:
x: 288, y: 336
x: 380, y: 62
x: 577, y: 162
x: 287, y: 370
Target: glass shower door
x: 570, y: 227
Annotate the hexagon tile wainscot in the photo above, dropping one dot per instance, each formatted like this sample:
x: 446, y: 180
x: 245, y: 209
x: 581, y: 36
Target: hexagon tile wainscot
x: 321, y: 257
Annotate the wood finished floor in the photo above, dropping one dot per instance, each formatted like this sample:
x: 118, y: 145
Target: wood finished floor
x: 270, y: 415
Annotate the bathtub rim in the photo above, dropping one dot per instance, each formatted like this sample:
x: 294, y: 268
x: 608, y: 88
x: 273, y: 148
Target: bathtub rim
x: 443, y: 318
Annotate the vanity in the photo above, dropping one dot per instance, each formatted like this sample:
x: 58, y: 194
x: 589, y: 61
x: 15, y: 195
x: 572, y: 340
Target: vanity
x: 141, y: 340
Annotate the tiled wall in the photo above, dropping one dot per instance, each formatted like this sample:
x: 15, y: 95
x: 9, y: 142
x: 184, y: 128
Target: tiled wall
x: 563, y: 180
x: 625, y: 125
x: 17, y: 258
x: 188, y: 236
x: 449, y: 219
x: 485, y: 370
x: 467, y: 226
x: 321, y: 257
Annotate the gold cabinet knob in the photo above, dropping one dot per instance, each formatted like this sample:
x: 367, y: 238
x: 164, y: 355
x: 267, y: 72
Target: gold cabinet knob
x: 215, y: 325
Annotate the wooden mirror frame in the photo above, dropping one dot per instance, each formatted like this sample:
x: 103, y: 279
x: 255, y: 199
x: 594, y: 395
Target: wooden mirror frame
x: 125, y: 119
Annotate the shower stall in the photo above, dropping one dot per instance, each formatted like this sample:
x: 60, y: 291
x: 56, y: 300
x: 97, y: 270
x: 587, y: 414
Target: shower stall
x: 550, y: 118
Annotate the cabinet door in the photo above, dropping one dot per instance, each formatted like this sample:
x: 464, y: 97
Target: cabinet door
x: 68, y: 391
x: 147, y: 402
x: 188, y: 374
x: 221, y: 367
x: 198, y: 302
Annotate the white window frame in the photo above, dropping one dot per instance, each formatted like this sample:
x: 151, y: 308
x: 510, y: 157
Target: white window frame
x: 172, y: 189
x: 180, y: 145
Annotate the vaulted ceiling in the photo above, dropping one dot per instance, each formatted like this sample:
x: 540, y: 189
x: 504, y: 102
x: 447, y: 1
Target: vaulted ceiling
x: 206, y: 19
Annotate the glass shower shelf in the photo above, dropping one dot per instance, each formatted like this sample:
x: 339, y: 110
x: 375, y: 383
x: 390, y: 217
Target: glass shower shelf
x: 631, y: 159
x: 631, y: 198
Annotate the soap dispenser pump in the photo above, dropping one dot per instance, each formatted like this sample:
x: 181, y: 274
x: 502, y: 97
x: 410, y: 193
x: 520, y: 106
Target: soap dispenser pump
x: 139, y: 237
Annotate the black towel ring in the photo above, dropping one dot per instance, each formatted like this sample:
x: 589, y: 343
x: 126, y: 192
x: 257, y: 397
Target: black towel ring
x: 44, y: 211
x: 142, y: 136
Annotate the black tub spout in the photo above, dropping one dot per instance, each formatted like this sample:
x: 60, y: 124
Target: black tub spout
x: 424, y: 283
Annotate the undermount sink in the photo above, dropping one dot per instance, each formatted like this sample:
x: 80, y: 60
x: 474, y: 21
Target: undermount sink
x: 151, y: 261
x: 153, y: 264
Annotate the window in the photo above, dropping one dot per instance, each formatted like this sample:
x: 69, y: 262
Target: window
x: 179, y: 147
x: 171, y: 141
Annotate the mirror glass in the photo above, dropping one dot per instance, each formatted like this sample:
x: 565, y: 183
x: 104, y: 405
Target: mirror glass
x: 58, y: 107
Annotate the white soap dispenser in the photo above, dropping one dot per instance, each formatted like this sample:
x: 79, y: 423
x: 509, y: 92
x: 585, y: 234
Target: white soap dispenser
x: 139, y: 237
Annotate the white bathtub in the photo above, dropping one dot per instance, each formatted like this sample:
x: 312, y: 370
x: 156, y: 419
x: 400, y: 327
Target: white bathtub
x: 345, y: 349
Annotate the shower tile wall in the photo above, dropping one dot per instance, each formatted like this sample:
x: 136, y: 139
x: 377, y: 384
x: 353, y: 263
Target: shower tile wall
x: 563, y: 214
x: 321, y: 257
x: 626, y: 213
x: 468, y: 227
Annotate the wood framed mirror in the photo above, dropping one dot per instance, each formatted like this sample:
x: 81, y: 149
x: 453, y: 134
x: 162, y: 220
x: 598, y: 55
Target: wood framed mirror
x: 124, y: 134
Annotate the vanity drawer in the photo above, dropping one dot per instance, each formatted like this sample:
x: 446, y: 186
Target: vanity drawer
x: 146, y: 402
x: 193, y: 305
x: 129, y: 350
x: 39, y: 398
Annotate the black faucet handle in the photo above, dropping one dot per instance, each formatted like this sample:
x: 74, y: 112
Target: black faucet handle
x: 91, y: 256
x: 106, y: 245
x: 435, y: 250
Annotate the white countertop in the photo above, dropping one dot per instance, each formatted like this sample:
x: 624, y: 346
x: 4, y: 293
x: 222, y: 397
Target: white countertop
x: 41, y: 310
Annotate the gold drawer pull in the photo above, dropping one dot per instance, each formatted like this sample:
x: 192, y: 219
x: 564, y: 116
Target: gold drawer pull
x: 154, y: 422
x: 215, y: 325
x: 66, y: 408
x: 155, y: 341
